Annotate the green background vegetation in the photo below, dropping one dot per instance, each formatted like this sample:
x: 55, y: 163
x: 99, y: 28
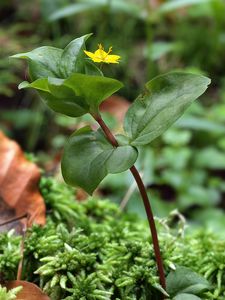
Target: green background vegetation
x: 184, y: 169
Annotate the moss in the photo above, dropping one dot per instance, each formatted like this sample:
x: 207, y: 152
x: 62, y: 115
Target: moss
x: 90, y: 250
x: 9, y: 295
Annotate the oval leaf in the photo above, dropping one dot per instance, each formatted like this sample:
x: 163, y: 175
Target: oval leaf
x: 185, y: 281
x: 59, y: 98
x: 49, y: 61
x: 72, y: 58
x: 165, y: 100
x: 76, y: 95
x: 94, y: 89
x: 43, y: 61
x: 88, y: 157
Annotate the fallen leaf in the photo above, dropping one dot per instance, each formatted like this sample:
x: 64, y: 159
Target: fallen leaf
x: 117, y: 106
x: 29, y: 292
x: 19, y: 183
x: 6, y: 212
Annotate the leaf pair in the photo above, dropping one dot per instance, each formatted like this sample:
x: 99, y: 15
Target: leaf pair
x: 66, y: 81
x: 75, y: 96
x: 164, y: 101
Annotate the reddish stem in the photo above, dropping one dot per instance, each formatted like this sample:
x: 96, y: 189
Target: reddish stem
x: 146, y: 202
x: 152, y: 226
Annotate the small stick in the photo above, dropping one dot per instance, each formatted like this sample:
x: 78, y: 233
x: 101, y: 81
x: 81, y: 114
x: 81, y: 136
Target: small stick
x: 20, y: 266
x: 14, y: 220
x: 128, y: 194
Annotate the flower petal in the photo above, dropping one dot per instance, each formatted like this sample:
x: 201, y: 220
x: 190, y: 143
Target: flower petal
x: 90, y: 54
x: 112, y: 59
x: 101, y: 54
x: 93, y: 56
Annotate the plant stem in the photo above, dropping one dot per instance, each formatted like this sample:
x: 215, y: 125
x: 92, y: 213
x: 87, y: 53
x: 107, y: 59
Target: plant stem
x: 152, y: 226
x: 110, y: 137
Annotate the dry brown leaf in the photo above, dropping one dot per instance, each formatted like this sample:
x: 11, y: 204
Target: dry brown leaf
x: 29, y: 292
x: 117, y: 106
x: 19, y: 182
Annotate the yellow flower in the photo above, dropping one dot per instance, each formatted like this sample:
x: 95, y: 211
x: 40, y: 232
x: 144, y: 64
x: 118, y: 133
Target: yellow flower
x: 101, y: 56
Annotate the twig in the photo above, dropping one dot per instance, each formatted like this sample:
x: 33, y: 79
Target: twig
x: 128, y: 194
x: 20, y: 266
x: 14, y: 219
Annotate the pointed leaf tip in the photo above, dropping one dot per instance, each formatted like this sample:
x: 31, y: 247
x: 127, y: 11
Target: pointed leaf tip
x: 23, y: 85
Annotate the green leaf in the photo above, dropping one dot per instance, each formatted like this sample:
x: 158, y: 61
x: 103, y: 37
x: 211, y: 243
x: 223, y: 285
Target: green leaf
x: 184, y: 281
x: 94, y: 89
x: 199, y: 124
x: 58, y: 97
x: 88, y: 157
x: 72, y: 9
x: 54, y: 62
x: 92, y: 69
x: 72, y: 58
x: 84, y: 6
x: 43, y: 61
x: 76, y: 95
x: 186, y: 297
x: 165, y: 100
x: 159, y: 49
x: 173, y: 5
x: 210, y: 158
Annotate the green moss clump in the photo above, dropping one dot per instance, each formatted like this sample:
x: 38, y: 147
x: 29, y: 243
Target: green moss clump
x: 90, y: 250
x: 9, y: 254
x: 9, y: 295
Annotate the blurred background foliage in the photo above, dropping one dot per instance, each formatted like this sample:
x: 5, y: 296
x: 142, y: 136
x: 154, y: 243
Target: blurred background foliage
x: 183, y: 169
